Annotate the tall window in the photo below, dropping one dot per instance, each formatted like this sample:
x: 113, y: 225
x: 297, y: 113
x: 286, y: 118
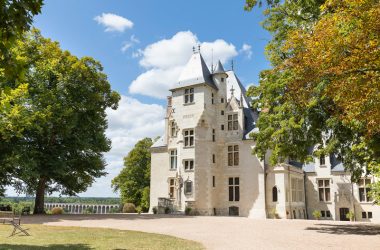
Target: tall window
x: 171, y: 187
x: 189, y: 95
x: 173, y: 129
x: 233, y: 122
x: 364, y: 190
x: 213, y: 134
x: 222, y: 127
x: 173, y: 159
x: 213, y: 181
x: 189, y: 137
x: 274, y: 194
x: 322, y: 160
x: 189, y: 165
x: 212, y: 98
x: 221, y: 100
x: 233, y: 155
x: 233, y: 189
x: 188, y: 187
x: 222, y: 112
x: 324, y: 190
x: 213, y: 158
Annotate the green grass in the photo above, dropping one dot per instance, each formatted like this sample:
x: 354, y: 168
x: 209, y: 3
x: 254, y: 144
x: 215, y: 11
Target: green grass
x: 68, y: 238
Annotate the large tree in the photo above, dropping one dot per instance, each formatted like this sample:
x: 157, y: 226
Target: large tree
x: 134, y: 179
x: 67, y: 99
x: 324, y: 86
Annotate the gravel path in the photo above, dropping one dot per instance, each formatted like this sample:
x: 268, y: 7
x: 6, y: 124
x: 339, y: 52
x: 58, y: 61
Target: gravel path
x: 234, y: 232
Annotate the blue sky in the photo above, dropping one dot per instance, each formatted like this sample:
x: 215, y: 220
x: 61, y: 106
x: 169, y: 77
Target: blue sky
x: 157, y: 37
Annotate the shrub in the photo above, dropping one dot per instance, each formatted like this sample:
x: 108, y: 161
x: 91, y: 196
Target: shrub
x: 57, y: 210
x: 187, y: 210
x: 350, y: 215
x: 154, y: 209
x: 129, y: 208
x: 317, y: 214
x: 115, y: 210
x: 167, y: 210
x: 138, y: 210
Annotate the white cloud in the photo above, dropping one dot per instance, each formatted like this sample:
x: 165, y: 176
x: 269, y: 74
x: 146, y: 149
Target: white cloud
x: 164, y: 60
x: 246, y: 49
x: 113, y: 22
x: 128, y: 44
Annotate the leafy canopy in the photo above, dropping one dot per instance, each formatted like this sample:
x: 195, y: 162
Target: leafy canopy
x: 134, y: 179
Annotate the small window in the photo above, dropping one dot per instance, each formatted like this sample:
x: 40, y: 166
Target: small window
x: 189, y: 137
x: 233, y: 155
x: 188, y: 187
x: 233, y: 123
x: 213, y: 158
x: 233, y: 189
x: 189, y: 96
x: 222, y: 79
x: 323, y: 215
x: 213, y: 181
x: 171, y: 188
x: 364, y: 215
x: 213, y: 134
x: 274, y: 194
x: 222, y: 127
x: 173, y: 159
x: 328, y: 214
x: 222, y: 112
x: 189, y: 165
x: 369, y: 215
x: 212, y: 98
x: 173, y: 129
x: 322, y: 160
x: 364, y: 190
x: 221, y: 100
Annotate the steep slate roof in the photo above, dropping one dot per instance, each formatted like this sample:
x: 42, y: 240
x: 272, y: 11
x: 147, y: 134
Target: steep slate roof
x: 219, y: 68
x: 233, y: 81
x: 195, y: 72
x: 159, y: 143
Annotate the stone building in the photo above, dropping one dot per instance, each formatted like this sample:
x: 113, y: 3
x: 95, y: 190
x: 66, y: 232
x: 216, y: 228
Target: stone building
x: 204, y: 160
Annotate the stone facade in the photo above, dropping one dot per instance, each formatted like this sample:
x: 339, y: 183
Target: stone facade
x: 204, y: 160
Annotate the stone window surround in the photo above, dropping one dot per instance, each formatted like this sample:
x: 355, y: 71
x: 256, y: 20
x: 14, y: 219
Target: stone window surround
x: 188, y: 96
x: 233, y: 189
x: 188, y: 138
x: 189, y: 169
x: 186, y: 187
x: 363, y: 188
x: 232, y: 121
x: 173, y: 159
x: 324, y: 187
x: 173, y: 129
x: 233, y: 157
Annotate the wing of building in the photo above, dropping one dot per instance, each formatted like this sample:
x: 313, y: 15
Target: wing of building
x: 203, y: 162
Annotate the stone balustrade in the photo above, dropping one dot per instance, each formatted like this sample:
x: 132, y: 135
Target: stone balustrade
x: 75, y: 208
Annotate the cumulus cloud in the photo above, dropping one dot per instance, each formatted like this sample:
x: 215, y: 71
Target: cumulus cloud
x: 246, y: 49
x: 113, y: 22
x: 165, y: 59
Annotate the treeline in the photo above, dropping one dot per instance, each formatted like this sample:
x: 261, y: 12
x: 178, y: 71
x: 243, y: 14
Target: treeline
x: 78, y: 200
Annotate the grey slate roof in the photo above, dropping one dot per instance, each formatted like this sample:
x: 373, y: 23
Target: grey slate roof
x: 233, y: 81
x: 159, y: 143
x: 219, y: 68
x: 195, y: 72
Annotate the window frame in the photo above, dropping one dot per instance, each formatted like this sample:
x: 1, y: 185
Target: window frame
x: 233, y: 122
x: 188, y: 139
x: 171, y: 186
x: 173, y: 159
x: 363, y: 196
x: 188, y: 96
x: 188, y: 165
x: 173, y: 129
x: 233, y: 189
x: 233, y: 157
x: 186, y: 187
x: 326, y: 190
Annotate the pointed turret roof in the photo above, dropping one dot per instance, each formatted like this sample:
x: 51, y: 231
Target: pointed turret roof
x: 219, y: 68
x: 195, y: 72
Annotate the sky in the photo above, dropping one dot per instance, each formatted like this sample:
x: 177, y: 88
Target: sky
x: 143, y: 46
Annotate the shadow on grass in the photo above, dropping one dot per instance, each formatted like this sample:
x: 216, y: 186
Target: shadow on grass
x: 349, y: 229
x: 40, y: 219
x: 53, y: 246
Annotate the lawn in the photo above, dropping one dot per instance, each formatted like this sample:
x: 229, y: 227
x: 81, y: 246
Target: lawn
x: 52, y: 237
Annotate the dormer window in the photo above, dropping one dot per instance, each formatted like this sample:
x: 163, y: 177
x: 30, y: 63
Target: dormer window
x: 189, y: 96
x: 233, y: 123
x: 322, y: 160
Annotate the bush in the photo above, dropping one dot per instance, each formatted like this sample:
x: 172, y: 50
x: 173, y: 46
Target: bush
x: 187, y: 210
x: 350, y: 215
x: 167, y: 210
x: 139, y: 210
x: 57, y: 210
x: 129, y: 208
x: 317, y: 214
x: 154, y: 210
x: 115, y: 210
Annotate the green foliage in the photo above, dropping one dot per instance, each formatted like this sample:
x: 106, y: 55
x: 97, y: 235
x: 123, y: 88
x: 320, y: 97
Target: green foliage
x: 303, y: 100
x: 350, y: 215
x: 155, y: 210
x: 317, y: 214
x: 138, y: 210
x: 129, y: 208
x: 67, y: 100
x: 188, y: 210
x: 134, y: 179
x: 56, y: 210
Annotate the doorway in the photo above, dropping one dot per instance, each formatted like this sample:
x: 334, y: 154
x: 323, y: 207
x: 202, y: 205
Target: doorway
x: 342, y: 213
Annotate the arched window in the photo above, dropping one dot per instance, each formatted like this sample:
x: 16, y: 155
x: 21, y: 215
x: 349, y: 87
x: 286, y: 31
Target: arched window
x: 274, y: 194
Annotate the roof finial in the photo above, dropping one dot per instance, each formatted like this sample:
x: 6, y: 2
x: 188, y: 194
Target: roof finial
x: 232, y: 65
x: 232, y: 91
x: 199, y: 48
x: 193, y: 50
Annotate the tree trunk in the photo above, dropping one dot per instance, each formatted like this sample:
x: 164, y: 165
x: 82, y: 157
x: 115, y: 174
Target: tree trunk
x: 40, y: 197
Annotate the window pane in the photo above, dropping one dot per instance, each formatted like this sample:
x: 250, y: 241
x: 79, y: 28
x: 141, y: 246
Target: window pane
x: 186, y: 132
x: 229, y: 148
x: 361, y: 194
x: 186, y: 91
x: 191, y: 90
x: 367, y: 194
x: 191, y: 98
x: 236, y: 125
x: 229, y: 125
x: 191, y: 132
x: 364, y: 215
x: 369, y: 215
x: 235, y: 116
x: 191, y: 141
x: 328, y: 214
x: 321, y: 194
x: 236, y: 180
x: 327, y: 193
x: 237, y: 193
x: 236, y: 158
x: 230, y: 181
x: 230, y: 117
x: 323, y: 213
x: 230, y: 159
x: 236, y: 148
x: 231, y: 193
x: 320, y: 183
